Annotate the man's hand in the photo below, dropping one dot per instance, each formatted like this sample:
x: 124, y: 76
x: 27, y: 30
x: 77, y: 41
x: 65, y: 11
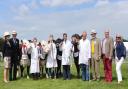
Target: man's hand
x: 110, y: 58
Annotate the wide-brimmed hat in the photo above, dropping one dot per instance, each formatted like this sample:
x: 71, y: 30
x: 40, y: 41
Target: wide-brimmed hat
x: 6, y: 34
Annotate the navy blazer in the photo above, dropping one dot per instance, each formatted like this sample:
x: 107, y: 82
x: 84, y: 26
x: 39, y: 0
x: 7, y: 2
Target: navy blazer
x: 15, y: 47
x: 120, y: 50
x: 7, y: 49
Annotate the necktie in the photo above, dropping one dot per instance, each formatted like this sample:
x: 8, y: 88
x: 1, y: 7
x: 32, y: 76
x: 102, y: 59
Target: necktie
x: 93, y: 47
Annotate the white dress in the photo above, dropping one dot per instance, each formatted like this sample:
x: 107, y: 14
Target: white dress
x: 34, y: 68
x: 84, y: 51
x: 66, y: 52
x: 51, y: 58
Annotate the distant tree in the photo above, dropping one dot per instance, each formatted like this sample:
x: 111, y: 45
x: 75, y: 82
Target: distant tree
x: 1, y: 43
x: 125, y: 40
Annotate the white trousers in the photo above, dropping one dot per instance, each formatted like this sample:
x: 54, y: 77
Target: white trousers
x: 118, y: 68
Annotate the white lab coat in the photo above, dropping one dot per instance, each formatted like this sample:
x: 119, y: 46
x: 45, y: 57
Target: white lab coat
x: 66, y: 52
x: 34, y: 68
x: 84, y: 51
x: 51, y: 58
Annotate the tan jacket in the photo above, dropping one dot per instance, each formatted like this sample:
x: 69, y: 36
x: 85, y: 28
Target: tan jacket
x: 97, y: 47
x: 109, y: 45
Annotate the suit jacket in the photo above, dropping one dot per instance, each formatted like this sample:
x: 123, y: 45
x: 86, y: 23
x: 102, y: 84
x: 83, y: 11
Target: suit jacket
x: 109, y: 46
x: 97, y: 48
x: 7, y: 50
x: 15, y: 47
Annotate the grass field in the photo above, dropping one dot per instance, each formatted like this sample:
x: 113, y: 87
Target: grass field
x: 74, y: 83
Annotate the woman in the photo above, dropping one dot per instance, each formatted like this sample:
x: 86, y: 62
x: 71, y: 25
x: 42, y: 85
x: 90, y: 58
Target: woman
x: 7, y: 51
x: 51, y: 63
x: 34, y: 68
x: 120, y: 54
x: 25, y: 62
x: 75, y: 41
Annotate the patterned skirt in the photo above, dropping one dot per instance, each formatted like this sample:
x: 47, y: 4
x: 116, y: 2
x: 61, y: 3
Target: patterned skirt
x: 24, y: 61
x: 7, y: 62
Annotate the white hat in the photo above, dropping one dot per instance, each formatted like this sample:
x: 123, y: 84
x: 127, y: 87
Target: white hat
x: 93, y: 31
x: 6, y: 34
x: 14, y: 32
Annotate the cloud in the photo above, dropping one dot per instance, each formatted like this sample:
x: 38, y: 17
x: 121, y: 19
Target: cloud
x: 23, y: 10
x: 34, y: 4
x: 102, y: 2
x: 56, y: 3
x: 111, y: 15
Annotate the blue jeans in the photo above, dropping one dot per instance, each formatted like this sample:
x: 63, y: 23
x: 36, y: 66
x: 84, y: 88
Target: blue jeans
x: 85, y: 72
x: 66, y: 72
x: 49, y: 72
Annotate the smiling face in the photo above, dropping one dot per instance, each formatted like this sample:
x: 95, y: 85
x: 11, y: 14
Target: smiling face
x: 106, y: 34
x: 35, y: 41
x: 118, y: 39
x: 14, y: 35
x: 65, y: 36
x: 84, y: 35
x: 93, y: 35
x: 51, y: 38
x: 7, y: 37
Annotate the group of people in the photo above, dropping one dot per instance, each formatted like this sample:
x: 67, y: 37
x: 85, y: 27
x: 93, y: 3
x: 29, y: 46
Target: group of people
x: 53, y: 54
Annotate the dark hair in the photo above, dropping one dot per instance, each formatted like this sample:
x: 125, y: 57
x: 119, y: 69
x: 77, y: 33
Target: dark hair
x: 64, y: 34
x: 76, y: 36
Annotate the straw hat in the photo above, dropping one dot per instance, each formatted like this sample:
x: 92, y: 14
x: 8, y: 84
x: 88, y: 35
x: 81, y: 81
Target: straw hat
x: 6, y: 34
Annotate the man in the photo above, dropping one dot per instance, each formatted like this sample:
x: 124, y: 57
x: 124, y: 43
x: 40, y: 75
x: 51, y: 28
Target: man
x: 107, y: 54
x: 95, y: 55
x: 84, y: 56
x: 34, y: 67
x: 66, y: 53
x: 15, y: 55
x: 51, y: 63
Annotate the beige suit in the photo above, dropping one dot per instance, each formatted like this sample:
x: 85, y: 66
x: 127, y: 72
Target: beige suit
x: 96, y: 58
x: 109, y: 45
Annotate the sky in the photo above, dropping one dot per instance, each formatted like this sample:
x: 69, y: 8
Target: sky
x: 40, y: 18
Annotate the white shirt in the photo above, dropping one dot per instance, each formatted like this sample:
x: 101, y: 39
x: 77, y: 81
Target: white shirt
x: 66, y: 52
x: 103, y: 49
x: 84, y: 51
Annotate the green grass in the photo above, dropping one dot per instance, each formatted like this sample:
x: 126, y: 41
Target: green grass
x: 74, y: 83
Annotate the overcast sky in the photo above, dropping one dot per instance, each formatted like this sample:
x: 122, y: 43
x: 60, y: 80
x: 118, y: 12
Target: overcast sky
x: 39, y: 18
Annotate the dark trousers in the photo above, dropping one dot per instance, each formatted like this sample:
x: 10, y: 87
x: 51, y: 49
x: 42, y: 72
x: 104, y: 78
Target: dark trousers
x: 52, y: 72
x: 35, y: 76
x: 13, y: 68
x: 85, y: 72
x: 66, y: 72
x: 22, y: 70
x: 59, y: 68
x: 76, y: 61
